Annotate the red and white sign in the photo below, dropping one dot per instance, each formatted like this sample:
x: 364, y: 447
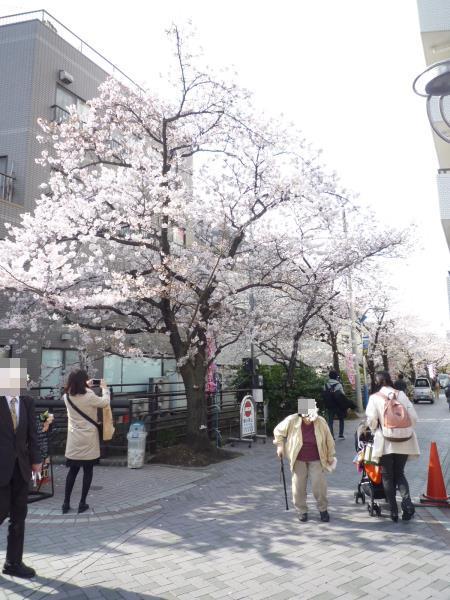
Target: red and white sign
x: 248, y: 417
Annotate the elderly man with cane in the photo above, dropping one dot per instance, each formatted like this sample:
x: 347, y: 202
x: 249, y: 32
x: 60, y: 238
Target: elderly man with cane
x: 306, y: 440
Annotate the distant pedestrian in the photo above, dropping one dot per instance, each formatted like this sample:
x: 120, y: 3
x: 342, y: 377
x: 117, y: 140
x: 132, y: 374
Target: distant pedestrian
x: 437, y: 389
x: 83, y: 437
x: 394, y: 442
x: 306, y: 440
x: 336, y: 402
x: 400, y: 383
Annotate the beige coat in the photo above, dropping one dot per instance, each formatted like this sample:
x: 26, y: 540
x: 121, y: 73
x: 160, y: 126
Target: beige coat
x: 375, y: 415
x: 289, y: 434
x: 82, y: 437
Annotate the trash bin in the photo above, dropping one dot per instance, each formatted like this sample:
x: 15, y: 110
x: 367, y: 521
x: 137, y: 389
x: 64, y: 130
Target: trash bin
x: 136, y: 445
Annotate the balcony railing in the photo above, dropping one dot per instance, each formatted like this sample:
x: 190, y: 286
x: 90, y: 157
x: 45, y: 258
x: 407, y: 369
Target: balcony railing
x: 59, y: 114
x: 6, y: 187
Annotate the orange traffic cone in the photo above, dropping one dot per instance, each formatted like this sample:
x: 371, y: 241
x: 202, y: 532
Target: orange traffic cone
x: 436, y: 493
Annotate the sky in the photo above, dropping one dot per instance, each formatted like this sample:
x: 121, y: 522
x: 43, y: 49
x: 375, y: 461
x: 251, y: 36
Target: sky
x: 342, y: 71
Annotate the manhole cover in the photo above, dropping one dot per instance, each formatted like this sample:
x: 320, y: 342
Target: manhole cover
x: 96, y: 488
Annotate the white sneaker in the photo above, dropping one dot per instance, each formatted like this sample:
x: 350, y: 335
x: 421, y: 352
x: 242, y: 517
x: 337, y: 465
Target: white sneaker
x: 342, y: 437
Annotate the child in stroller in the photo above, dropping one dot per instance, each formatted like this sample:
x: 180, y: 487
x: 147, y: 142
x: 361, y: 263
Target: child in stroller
x: 371, y: 484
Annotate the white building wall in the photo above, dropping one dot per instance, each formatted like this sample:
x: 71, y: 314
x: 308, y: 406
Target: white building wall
x: 434, y: 15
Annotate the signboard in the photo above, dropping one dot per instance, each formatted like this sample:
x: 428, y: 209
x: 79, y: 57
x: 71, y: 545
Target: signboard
x: 350, y: 368
x: 248, y: 417
x: 365, y: 342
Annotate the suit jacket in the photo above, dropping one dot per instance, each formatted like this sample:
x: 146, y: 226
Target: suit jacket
x: 21, y: 445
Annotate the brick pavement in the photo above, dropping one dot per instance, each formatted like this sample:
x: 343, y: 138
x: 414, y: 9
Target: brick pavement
x: 223, y: 532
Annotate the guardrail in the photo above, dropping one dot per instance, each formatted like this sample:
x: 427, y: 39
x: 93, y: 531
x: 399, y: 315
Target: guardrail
x: 163, y: 412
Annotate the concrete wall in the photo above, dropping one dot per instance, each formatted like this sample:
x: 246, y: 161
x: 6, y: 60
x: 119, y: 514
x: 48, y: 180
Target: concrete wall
x: 31, y: 55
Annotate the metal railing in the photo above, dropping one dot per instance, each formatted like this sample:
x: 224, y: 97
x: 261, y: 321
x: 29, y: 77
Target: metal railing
x: 6, y: 187
x: 163, y: 411
x: 74, y: 40
x: 59, y: 114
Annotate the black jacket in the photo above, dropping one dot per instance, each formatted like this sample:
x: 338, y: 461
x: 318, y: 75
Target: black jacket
x: 21, y: 445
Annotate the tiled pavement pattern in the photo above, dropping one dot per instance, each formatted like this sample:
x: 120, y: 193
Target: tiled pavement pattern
x: 223, y: 532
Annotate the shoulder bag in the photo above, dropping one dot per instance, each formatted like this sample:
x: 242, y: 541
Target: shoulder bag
x: 105, y: 429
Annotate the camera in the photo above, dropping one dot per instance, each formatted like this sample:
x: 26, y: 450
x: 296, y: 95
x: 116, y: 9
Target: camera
x: 96, y: 381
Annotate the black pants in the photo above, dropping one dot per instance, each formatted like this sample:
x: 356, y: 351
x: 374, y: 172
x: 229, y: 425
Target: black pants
x: 13, y: 502
x: 341, y: 423
x: 393, y: 472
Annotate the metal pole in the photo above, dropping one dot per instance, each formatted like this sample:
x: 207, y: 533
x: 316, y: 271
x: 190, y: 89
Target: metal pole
x: 353, y: 329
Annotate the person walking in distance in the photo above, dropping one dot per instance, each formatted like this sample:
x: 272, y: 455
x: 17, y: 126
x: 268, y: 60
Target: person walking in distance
x: 392, y: 418
x: 306, y: 440
x: 83, y: 439
x: 336, y: 403
x: 400, y: 383
x: 19, y: 457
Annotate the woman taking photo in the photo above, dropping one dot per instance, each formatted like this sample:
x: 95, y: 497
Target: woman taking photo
x: 83, y: 437
x: 392, y: 418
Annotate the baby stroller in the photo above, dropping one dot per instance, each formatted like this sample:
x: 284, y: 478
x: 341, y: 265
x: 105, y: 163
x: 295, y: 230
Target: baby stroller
x: 371, y: 484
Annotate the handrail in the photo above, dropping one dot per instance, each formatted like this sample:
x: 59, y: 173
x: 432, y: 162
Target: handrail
x: 50, y: 21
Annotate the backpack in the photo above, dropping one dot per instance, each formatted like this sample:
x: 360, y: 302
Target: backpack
x: 397, y: 425
x: 334, y: 399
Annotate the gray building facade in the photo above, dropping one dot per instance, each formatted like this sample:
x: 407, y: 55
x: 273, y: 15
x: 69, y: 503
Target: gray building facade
x: 44, y: 69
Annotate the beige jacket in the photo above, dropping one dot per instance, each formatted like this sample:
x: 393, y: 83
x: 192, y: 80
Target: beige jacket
x: 375, y: 415
x: 289, y: 434
x: 82, y: 437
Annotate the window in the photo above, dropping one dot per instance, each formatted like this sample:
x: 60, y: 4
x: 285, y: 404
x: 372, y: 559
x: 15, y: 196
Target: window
x: 5, y: 351
x: 65, y: 99
x: 6, y: 181
x: 424, y: 383
x: 55, y: 366
x: 118, y: 370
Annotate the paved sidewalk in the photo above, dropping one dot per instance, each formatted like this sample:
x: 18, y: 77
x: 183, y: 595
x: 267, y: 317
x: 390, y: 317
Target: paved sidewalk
x: 223, y: 532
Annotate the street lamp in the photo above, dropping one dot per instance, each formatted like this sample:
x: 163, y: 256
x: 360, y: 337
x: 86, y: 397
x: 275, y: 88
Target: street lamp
x: 434, y: 85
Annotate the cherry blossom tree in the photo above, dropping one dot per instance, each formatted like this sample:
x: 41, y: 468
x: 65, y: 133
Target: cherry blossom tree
x: 162, y: 214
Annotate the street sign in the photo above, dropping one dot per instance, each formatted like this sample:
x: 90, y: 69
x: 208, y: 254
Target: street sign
x: 365, y: 342
x: 248, y: 417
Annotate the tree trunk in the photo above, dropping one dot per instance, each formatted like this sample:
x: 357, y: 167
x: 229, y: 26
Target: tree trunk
x: 412, y: 371
x: 335, y: 350
x: 371, y: 369
x: 194, y: 377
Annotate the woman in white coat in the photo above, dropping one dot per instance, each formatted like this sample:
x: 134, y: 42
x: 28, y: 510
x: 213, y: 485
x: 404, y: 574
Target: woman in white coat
x: 393, y: 454
x: 83, y: 437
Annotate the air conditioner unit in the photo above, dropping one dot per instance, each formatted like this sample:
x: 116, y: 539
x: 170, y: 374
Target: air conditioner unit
x: 65, y: 77
x: 66, y: 337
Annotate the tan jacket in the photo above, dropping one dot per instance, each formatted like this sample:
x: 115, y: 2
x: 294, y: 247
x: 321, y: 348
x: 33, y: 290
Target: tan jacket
x: 289, y: 434
x: 82, y: 437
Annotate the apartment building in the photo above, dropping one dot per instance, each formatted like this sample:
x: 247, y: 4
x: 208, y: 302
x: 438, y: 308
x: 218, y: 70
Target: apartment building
x: 44, y: 69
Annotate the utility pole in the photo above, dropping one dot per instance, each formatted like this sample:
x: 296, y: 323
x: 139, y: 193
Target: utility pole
x: 355, y: 345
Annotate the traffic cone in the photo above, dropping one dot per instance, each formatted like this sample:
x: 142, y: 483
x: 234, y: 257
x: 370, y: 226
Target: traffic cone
x: 436, y: 493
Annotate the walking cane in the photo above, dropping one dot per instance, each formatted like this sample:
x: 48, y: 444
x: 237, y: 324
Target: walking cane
x: 284, y: 483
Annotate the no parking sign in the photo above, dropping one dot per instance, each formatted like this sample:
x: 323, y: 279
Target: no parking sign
x: 248, y: 417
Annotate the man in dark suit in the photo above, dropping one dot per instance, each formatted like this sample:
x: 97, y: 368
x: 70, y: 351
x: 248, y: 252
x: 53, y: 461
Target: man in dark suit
x: 19, y: 457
